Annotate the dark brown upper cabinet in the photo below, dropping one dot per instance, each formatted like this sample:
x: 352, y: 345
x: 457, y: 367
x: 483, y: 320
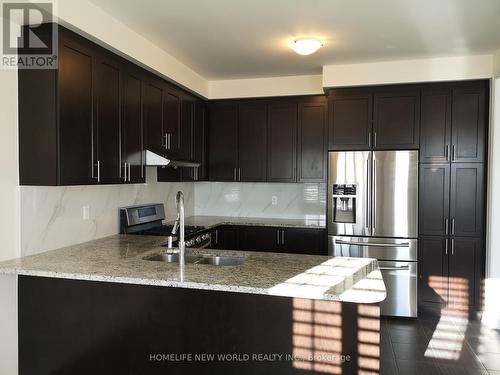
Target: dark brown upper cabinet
x: 132, y: 127
x: 435, y: 126
x: 454, y: 122
x: 434, y: 198
x: 468, y: 135
x: 282, y: 142
x: 200, y: 135
x: 223, y: 142
x: 252, y: 143
x: 107, y: 152
x: 467, y: 199
x: 350, y: 120
x: 56, y: 118
x: 172, y: 127
x: 312, y: 140
x: 75, y: 88
x: 396, y: 118
x: 89, y: 121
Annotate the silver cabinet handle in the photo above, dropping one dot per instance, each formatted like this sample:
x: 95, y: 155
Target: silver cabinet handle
x: 453, y: 153
x: 166, y: 141
x: 403, y: 268
x: 447, y: 152
x: 369, y: 139
x: 453, y: 226
x: 374, y: 178
x: 234, y: 174
x: 217, y: 236
x: 239, y: 174
x: 374, y: 139
x: 125, y: 172
x: 375, y: 244
x: 446, y: 226
x: 283, y: 237
x: 278, y: 237
x: 452, y: 246
x: 446, y: 247
x: 129, y: 172
x: 98, y: 171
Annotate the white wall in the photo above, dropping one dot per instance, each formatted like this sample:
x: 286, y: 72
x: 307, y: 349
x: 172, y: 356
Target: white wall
x: 496, y: 64
x: 103, y: 28
x: 272, y: 86
x: 9, y: 181
x: 295, y: 201
x: 9, y: 219
x: 405, y: 71
x: 492, y: 302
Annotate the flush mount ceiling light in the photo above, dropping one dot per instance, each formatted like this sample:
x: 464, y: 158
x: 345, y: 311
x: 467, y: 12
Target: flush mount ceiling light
x: 306, y: 46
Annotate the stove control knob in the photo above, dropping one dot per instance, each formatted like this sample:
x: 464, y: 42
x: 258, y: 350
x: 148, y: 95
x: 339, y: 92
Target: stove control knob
x: 205, y: 236
x: 198, y: 239
x: 189, y: 243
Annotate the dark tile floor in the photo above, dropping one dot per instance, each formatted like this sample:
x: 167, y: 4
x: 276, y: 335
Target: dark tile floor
x: 447, y: 346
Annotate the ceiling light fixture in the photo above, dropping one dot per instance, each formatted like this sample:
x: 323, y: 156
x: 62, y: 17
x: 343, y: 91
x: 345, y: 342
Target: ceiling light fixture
x: 306, y: 46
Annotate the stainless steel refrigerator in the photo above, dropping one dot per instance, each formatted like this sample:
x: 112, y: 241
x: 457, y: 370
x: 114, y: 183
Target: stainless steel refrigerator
x: 373, y: 212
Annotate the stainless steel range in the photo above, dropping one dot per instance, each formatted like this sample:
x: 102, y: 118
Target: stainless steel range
x: 148, y: 219
x: 372, y: 212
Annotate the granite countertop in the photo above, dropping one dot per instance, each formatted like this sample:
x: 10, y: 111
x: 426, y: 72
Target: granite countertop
x: 119, y: 259
x: 213, y: 221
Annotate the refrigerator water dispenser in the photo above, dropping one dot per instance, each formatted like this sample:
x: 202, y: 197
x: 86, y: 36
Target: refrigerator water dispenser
x: 344, y: 203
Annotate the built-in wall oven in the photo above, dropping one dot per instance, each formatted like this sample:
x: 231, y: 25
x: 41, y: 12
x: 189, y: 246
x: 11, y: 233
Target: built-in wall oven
x: 373, y: 212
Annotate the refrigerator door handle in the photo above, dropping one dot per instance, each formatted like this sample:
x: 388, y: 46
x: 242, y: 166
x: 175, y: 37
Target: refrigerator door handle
x: 374, y: 195
x: 403, y: 268
x: 356, y: 243
x: 367, y: 192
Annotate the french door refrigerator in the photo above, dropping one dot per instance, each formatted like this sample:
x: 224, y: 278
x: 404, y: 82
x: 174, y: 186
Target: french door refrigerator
x: 373, y: 213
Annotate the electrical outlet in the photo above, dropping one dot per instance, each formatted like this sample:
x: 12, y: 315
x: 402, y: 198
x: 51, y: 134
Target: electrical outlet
x: 274, y: 200
x: 86, y: 212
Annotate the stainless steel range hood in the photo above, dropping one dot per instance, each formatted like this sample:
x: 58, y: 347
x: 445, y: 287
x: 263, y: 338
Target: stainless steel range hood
x: 161, y: 157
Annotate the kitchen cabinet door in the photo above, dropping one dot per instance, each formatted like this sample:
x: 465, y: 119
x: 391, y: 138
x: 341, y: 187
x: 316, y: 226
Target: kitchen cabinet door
x: 463, y: 272
x: 75, y: 113
x: 200, y: 140
x: 132, y: 130
x: 153, y: 114
x: 223, y: 142
x: 433, y: 253
x: 467, y: 199
x: 312, y: 140
x: 434, y: 199
x: 107, y: 121
x: 252, y: 143
x: 258, y: 238
x: 396, y: 119
x: 225, y: 237
x: 172, y: 123
x: 282, y: 142
x: 304, y: 241
x: 469, y: 123
x: 435, y: 125
x: 350, y: 121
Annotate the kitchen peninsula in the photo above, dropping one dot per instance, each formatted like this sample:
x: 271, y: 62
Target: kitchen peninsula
x: 100, y: 307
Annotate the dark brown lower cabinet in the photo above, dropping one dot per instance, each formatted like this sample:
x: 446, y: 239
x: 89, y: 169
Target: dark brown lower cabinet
x: 271, y: 239
x: 256, y: 238
x: 450, y: 273
x: 305, y: 241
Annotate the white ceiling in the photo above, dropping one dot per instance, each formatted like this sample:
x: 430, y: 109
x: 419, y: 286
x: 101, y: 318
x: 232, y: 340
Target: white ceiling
x: 225, y: 39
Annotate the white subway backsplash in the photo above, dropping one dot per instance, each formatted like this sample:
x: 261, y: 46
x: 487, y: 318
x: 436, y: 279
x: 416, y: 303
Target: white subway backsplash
x: 294, y: 201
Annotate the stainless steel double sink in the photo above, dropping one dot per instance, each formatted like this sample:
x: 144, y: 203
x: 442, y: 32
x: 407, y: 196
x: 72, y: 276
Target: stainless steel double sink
x: 214, y: 260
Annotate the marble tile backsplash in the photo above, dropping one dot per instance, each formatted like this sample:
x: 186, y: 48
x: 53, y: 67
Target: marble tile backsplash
x: 294, y: 201
x: 52, y: 217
